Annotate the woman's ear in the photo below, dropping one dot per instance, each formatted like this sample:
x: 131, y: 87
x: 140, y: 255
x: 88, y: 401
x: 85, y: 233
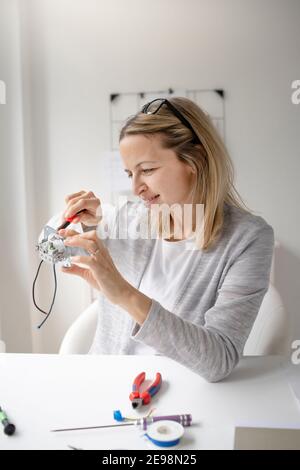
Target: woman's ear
x: 193, y: 170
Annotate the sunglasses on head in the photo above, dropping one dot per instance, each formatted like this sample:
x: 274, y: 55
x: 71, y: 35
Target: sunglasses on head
x: 154, y: 106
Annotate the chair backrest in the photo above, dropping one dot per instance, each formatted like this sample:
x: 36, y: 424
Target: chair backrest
x: 79, y: 336
x: 2, y: 346
x: 270, y: 332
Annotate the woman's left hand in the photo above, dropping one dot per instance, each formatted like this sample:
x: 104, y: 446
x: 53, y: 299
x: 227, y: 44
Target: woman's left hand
x: 98, y: 269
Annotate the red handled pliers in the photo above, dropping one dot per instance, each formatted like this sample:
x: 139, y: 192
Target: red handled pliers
x: 138, y: 399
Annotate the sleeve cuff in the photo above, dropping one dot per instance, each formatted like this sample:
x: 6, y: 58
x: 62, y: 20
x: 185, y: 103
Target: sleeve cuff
x: 145, y: 331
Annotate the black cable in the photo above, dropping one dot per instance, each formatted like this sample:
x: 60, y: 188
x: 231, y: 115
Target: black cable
x: 54, y: 295
x: 33, y: 287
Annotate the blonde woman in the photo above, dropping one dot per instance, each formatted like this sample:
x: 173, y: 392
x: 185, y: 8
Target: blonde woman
x: 156, y: 294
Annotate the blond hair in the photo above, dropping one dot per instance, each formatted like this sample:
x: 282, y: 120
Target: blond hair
x: 213, y: 166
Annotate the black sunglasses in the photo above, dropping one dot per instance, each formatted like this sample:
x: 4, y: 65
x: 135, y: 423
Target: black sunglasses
x: 151, y: 108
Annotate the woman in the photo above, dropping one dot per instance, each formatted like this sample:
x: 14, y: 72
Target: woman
x: 196, y: 306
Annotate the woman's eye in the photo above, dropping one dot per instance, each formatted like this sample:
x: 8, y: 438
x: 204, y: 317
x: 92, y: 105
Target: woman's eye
x: 146, y: 172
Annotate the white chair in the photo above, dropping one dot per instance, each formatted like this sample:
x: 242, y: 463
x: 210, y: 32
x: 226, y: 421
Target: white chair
x: 269, y: 335
x: 79, y: 336
x: 270, y: 332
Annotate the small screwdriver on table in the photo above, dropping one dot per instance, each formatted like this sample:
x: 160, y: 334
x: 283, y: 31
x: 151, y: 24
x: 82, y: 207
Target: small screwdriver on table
x: 9, y: 428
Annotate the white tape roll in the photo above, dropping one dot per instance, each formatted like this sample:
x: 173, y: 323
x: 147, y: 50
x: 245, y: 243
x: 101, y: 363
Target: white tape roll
x: 165, y: 433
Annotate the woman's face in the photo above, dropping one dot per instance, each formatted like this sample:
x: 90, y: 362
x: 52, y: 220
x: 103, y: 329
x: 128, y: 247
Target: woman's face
x: 158, y: 176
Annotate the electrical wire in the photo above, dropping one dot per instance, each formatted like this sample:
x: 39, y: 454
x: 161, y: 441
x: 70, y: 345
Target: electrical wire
x: 54, y: 295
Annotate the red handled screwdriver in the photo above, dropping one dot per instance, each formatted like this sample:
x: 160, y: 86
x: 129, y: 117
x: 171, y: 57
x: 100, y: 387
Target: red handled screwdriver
x: 68, y: 221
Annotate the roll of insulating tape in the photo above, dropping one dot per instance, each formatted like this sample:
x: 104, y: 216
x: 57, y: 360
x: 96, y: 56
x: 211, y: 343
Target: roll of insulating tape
x: 165, y: 433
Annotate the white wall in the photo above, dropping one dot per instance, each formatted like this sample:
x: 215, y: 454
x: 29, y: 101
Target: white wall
x: 15, y: 259
x: 76, y: 52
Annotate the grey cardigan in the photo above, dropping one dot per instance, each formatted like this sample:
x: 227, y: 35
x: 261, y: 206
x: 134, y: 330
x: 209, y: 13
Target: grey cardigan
x: 215, y: 308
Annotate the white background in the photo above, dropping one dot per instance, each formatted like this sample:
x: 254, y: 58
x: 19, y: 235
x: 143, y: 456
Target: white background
x: 60, y: 60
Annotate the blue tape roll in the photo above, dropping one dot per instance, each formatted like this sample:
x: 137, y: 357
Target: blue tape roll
x: 165, y: 433
x: 163, y: 443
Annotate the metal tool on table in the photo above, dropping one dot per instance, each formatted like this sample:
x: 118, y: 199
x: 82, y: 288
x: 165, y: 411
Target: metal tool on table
x: 185, y: 420
x: 144, y: 398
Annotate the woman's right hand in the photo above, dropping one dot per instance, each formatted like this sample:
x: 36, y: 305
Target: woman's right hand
x: 83, y: 200
x: 86, y: 274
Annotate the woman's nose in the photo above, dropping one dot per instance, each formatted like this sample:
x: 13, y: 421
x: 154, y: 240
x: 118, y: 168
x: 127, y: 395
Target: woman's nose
x: 138, y: 186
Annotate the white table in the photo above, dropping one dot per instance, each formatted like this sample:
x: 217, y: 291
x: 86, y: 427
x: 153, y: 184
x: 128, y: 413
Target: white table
x: 44, y: 392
